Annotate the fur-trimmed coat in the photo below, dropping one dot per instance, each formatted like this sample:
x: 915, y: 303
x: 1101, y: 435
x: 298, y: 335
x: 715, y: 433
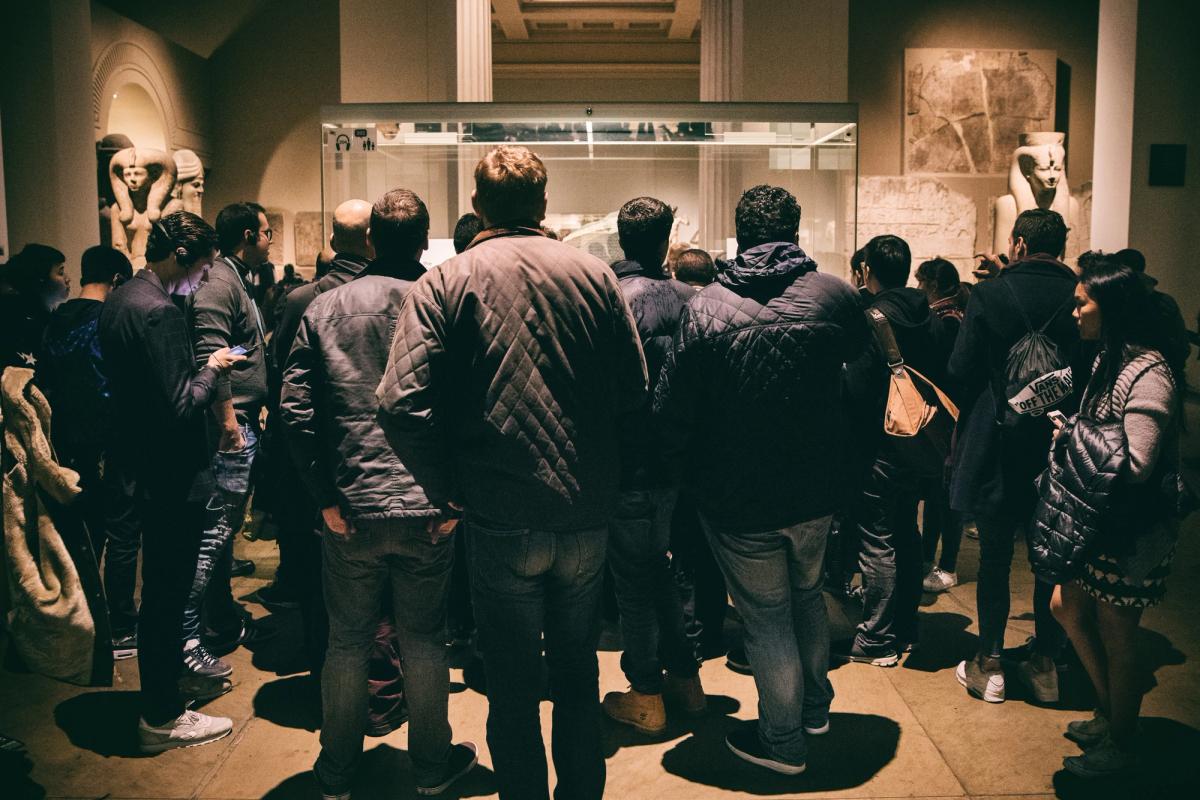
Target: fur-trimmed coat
x: 54, y: 610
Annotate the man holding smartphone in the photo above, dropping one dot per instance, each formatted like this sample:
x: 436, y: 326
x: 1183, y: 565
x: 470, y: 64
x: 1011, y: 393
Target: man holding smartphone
x: 223, y: 314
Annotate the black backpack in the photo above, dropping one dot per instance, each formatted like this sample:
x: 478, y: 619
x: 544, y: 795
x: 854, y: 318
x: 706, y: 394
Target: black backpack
x: 1036, y: 375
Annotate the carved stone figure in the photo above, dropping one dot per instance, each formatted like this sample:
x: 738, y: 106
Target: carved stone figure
x: 106, y: 148
x: 1036, y: 179
x: 188, y: 194
x: 142, y: 180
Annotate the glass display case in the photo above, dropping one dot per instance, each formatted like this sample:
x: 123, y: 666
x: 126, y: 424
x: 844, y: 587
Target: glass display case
x: 697, y: 157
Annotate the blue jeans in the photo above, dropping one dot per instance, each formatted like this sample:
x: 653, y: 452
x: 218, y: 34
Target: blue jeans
x: 357, y: 573
x: 231, y: 470
x: 525, y: 583
x: 651, y: 608
x: 774, y: 578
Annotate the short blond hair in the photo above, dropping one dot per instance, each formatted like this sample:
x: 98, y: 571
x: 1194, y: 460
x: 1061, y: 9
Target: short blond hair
x: 510, y: 185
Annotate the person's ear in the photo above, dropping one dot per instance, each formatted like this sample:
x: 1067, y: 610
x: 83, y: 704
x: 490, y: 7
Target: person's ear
x: 540, y: 211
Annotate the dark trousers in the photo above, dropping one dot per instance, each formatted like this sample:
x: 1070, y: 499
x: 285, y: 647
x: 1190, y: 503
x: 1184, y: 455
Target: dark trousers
x: 651, y: 611
x: 701, y: 585
x: 940, y: 522
x: 377, y: 557
x: 997, y: 538
x: 171, y: 534
x: 461, y: 613
x: 108, y: 509
x: 889, y: 556
x: 527, y: 583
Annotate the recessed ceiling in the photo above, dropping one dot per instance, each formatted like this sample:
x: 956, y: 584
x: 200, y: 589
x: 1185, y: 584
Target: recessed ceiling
x: 201, y: 26
x: 595, y: 20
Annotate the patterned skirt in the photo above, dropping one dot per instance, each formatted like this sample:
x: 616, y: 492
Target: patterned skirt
x: 1103, y: 579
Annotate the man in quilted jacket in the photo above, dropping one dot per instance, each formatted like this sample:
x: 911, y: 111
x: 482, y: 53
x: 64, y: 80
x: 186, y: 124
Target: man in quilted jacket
x: 751, y: 400
x: 511, y: 367
x: 640, y: 531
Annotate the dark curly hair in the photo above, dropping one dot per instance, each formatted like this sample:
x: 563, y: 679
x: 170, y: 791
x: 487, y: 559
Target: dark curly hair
x: 766, y: 214
x: 643, y: 227
x: 30, y: 268
x: 181, y: 231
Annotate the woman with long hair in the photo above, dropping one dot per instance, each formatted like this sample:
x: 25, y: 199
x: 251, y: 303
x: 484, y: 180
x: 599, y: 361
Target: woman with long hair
x: 1135, y: 384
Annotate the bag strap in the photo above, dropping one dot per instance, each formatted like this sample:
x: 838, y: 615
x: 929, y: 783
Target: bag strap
x: 1025, y: 317
x: 886, y: 338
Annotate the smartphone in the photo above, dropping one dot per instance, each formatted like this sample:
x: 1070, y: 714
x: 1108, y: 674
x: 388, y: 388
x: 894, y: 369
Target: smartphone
x: 1056, y: 417
x: 242, y: 350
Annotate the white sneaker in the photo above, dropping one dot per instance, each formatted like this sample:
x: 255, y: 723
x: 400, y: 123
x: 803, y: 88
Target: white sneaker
x: 1042, y: 683
x: 189, y: 729
x: 986, y: 684
x: 938, y: 581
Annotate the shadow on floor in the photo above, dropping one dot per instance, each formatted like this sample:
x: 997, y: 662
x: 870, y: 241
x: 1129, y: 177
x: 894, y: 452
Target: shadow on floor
x: 282, y: 652
x: 384, y: 773
x: 103, y: 722
x: 944, y: 642
x: 1169, y: 767
x: 293, y: 702
x: 855, y: 749
x: 15, y: 782
x: 617, y: 736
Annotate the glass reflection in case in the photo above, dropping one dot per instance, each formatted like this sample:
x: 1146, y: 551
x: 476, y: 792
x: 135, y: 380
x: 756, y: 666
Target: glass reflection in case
x: 697, y: 157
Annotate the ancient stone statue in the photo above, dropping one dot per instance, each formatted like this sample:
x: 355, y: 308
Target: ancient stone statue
x: 142, y: 180
x: 106, y: 148
x: 188, y: 194
x: 1036, y: 179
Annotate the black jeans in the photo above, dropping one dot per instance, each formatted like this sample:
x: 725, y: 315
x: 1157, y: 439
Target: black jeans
x: 889, y: 556
x: 997, y: 536
x: 109, y: 511
x: 171, y: 533
x: 940, y: 522
x: 526, y: 583
x: 701, y: 585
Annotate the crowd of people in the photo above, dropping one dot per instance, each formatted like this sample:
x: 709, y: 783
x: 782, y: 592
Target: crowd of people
x: 462, y: 454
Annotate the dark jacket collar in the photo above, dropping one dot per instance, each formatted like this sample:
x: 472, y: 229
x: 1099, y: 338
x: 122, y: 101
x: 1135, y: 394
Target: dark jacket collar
x: 513, y: 230
x: 1041, y: 262
x: 150, y: 277
x: 766, y: 266
x: 903, y: 306
x: 349, y: 263
x: 625, y: 268
x: 402, y: 269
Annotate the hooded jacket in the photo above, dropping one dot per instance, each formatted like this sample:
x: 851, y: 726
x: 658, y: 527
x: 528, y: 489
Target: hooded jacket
x: 328, y: 401
x: 750, y: 402
x: 994, y: 467
x: 656, y: 301
x: 71, y: 374
x: 511, y: 367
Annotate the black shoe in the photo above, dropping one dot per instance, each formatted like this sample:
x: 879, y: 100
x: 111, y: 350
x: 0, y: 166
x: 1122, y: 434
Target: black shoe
x: 198, y: 661
x: 124, y: 646
x: 853, y: 653
x: 274, y: 596
x: 241, y: 568
x: 463, y: 759
x: 10, y: 745
x: 737, y: 661
x: 745, y: 744
x: 251, y: 632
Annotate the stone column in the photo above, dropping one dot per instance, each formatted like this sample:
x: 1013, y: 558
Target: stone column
x: 49, y: 153
x: 474, y: 51
x: 474, y: 48
x: 1112, y: 164
x: 721, y: 62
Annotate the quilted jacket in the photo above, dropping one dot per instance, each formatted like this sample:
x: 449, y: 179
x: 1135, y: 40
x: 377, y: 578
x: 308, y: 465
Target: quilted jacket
x: 328, y: 398
x: 750, y: 401
x: 656, y: 301
x: 1080, y: 494
x: 511, y: 366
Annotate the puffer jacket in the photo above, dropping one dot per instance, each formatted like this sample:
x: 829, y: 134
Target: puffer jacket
x: 1087, y: 483
x: 511, y: 367
x: 750, y: 402
x: 656, y: 301
x: 328, y: 398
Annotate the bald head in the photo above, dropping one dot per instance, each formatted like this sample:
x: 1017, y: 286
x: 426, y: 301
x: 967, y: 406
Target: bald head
x: 350, y: 222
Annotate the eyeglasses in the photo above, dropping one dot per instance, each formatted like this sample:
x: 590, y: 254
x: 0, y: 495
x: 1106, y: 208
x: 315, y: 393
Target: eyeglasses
x: 270, y: 234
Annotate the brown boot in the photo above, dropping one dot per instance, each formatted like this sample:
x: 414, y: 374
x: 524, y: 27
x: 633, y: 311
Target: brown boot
x: 645, y: 712
x: 686, y: 694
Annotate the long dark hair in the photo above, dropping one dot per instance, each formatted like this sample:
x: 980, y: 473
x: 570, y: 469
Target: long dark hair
x: 1128, y: 316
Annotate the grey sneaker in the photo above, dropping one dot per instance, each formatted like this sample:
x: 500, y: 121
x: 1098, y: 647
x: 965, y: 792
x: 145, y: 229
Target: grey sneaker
x: 854, y: 654
x: 1101, y: 761
x: 189, y: 729
x: 463, y: 758
x: 1039, y: 676
x: 201, y: 663
x: 1088, y: 732
x: 983, y: 679
x: 938, y: 581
